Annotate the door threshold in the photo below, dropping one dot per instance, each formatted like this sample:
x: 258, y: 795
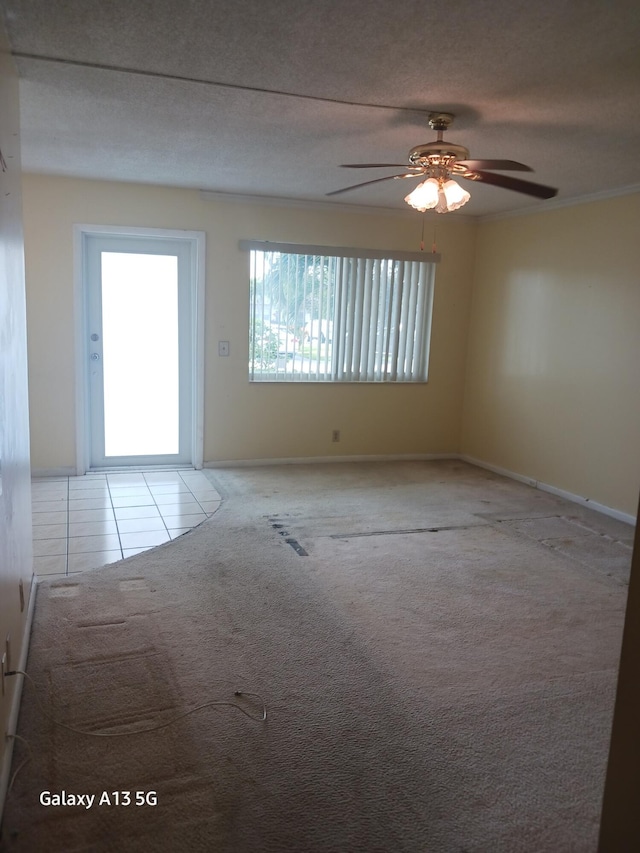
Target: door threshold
x: 134, y: 469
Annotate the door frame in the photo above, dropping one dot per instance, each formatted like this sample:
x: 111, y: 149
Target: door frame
x: 196, y: 241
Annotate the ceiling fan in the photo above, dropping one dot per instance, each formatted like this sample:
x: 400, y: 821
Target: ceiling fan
x: 439, y: 162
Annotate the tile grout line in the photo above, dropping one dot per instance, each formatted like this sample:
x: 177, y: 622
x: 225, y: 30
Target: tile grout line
x: 157, y: 506
x: 190, y: 492
x: 207, y: 514
x: 113, y: 510
x: 68, y: 502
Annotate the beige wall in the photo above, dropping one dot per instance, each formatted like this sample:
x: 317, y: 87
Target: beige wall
x: 244, y: 421
x: 553, y: 376
x: 16, y: 565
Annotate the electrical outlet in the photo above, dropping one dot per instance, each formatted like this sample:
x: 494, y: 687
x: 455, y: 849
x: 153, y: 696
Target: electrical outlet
x: 335, y: 435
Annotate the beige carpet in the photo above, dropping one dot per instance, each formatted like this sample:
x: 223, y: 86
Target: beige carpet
x: 436, y: 647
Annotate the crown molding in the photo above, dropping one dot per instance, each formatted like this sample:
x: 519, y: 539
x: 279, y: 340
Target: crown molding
x: 329, y: 206
x: 360, y: 209
x: 559, y: 203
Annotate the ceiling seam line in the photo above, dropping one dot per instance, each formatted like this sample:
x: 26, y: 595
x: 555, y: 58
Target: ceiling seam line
x: 218, y: 84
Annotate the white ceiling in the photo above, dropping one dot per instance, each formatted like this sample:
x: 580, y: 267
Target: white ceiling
x: 269, y: 97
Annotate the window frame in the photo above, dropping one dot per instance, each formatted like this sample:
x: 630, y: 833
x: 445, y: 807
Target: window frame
x: 368, y: 263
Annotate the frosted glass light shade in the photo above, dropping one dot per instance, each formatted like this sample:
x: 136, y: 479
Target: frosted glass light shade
x: 443, y: 197
x: 455, y: 196
x: 424, y: 196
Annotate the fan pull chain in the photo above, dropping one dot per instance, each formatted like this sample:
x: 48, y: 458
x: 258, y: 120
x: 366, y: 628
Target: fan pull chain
x: 434, y: 248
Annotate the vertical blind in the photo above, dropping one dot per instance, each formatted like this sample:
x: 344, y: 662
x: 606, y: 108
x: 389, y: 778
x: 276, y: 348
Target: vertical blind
x: 339, y: 315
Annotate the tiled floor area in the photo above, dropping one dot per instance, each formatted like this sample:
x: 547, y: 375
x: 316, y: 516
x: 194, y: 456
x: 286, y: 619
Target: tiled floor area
x: 87, y: 522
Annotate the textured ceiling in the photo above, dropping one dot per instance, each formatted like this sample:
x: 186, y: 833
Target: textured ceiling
x: 269, y: 97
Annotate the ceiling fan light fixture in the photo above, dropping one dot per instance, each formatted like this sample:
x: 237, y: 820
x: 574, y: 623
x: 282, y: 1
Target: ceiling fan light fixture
x: 444, y: 196
x: 437, y: 161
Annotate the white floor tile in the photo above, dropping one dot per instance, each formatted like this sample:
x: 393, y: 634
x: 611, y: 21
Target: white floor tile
x: 205, y: 494
x: 89, y: 481
x: 92, y: 528
x: 169, y: 489
x: 48, y: 494
x: 184, y: 520
x: 88, y: 494
x: 131, y: 552
x: 93, y: 560
x: 59, y: 517
x: 50, y: 565
x: 85, y: 544
x: 49, y: 547
x: 50, y: 531
x: 103, y: 502
x: 140, y: 525
x: 143, y: 540
x: 155, y: 478
x: 104, y: 514
x: 194, y: 477
x: 125, y: 512
x: 54, y: 505
x: 179, y: 508
x: 175, y: 533
x: 87, y: 508
x: 133, y: 500
x: 130, y: 491
x: 125, y: 479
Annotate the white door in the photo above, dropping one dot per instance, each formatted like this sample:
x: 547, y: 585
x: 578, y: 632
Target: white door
x: 140, y: 348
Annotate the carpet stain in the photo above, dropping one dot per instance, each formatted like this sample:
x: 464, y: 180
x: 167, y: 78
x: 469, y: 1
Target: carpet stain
x: 288, y: 538
x: 297, y: 547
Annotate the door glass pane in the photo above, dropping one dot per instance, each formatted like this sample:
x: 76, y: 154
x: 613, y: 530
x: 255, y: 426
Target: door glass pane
x: 140, y: 354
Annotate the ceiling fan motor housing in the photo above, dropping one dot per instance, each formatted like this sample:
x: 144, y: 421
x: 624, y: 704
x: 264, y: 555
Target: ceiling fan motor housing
x: 437, y: 153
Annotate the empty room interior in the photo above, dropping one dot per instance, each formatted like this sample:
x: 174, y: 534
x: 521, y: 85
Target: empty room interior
x: 319, y: 438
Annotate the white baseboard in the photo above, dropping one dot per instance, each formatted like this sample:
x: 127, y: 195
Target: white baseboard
x: 503, y: 472
x: 553, y: 490
x: 393, y: 457
x: 312, y: 460
x: 5, y: 765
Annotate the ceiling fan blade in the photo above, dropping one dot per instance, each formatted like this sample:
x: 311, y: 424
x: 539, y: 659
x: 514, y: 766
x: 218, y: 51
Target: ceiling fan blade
x: 375, y: 181
x: 509, y: 183
x: 376, y: 166
x: 502, y: 165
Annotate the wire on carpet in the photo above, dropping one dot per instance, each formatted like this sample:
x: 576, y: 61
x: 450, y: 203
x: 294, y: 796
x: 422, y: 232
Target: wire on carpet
x: 219, y: 703
x: 22, y: 763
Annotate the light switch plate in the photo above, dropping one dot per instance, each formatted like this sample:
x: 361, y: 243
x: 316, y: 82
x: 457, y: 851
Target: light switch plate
x: 223, y: 348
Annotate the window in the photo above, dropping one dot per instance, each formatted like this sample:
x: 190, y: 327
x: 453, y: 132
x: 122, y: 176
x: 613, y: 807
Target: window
x: 338, y: 315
